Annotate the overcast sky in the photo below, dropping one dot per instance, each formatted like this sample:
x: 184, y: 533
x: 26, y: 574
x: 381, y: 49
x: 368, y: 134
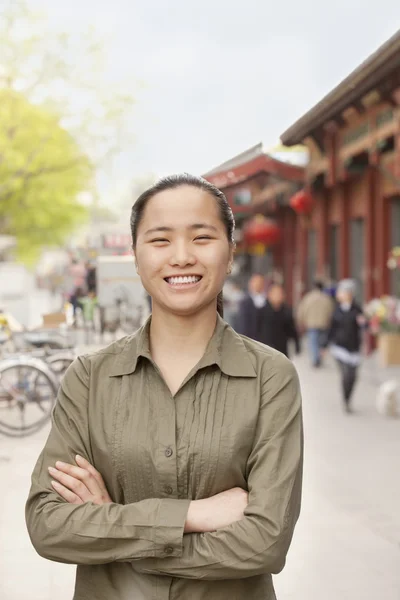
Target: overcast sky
x: 221, y: 76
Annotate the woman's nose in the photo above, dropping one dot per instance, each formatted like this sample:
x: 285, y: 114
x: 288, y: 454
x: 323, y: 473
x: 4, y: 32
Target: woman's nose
x: 182, y: 255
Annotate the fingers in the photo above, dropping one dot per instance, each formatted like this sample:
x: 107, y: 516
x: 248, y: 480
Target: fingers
x: 83, y: 481
x: 85, y: 464
x: 91, y: 483
x: 69, y: 496
x: 71, y: 483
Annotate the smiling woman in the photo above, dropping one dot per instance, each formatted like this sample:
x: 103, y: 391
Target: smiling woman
x: 175, y: 221
x: 174, y: 464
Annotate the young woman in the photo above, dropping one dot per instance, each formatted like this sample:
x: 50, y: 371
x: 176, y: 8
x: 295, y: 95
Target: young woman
x: 174, y: 464
x: 345, y: 338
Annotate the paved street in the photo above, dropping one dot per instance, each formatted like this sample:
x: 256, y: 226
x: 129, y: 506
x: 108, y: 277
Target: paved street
x: 347, y: 543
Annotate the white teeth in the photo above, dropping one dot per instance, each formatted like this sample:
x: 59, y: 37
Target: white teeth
x: 182, y: 280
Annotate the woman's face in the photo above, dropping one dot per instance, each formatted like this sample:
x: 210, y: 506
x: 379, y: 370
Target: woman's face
x: 182, y: 250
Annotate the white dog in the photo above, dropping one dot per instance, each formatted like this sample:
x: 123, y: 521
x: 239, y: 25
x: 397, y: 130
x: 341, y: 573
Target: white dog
x: 387, y: 399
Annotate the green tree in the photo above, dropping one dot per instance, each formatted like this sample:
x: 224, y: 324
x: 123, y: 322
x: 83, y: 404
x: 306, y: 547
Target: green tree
x: 61, y: 121
x: 42, y: 171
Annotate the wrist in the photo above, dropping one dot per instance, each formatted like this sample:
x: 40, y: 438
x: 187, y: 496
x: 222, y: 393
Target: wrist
x: 193, y: 518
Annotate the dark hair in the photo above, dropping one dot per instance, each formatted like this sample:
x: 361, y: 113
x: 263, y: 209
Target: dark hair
x: 174, y: 181
x: 318, y: 285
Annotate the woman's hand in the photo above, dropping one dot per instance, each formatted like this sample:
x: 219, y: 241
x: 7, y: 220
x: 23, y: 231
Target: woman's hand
x: 79, y: 484
x: 216, y: 512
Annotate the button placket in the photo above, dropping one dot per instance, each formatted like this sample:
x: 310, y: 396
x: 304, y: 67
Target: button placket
x: 167, y: 455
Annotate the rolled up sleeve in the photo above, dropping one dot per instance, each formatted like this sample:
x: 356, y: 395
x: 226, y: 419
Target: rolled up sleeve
x: 88, y: 533
x: 259, y: 542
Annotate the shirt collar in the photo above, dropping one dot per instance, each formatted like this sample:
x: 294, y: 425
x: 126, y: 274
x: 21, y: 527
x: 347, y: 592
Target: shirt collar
x: 226, y: 349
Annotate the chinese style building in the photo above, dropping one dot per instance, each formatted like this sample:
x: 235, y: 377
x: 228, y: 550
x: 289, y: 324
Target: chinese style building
x: 353, y: 176
x: 257, y: 183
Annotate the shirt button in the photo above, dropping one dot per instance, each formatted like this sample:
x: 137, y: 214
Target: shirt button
x: 168, y: 550
x: 168, y: 452
x: 168, y: 489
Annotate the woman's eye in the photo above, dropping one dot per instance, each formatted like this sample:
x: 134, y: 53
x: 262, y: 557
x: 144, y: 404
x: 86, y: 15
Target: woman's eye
x: 162, y: 240
x: 203, y: 237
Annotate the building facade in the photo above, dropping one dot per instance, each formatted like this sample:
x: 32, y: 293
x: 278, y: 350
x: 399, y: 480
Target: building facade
x: 353, y: 138
x: 255, y: 183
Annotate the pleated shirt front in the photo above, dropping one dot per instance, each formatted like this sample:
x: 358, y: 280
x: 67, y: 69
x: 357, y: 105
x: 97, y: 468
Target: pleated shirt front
x: 235, y: 422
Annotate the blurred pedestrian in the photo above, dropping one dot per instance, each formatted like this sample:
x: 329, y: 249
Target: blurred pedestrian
x: 77, y: 272
x: 88, y: 306
x: 91, y: 278
x: 314, y: 315
x: 75, y: 298
x: 250, y: 314
x: 345, y: 337
x: 278, y: 324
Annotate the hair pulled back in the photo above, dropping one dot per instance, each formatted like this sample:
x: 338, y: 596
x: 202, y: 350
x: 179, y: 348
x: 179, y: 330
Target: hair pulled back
x: 174, y: 181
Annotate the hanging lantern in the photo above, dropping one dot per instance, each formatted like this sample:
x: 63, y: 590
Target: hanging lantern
x: 260, y: 233
x: 302, y: 202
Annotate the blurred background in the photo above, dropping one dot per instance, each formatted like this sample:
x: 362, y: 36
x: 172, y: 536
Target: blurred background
x: 293, y: 110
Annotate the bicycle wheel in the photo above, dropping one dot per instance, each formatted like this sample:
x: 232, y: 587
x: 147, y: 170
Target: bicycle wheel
x: 28, y: 390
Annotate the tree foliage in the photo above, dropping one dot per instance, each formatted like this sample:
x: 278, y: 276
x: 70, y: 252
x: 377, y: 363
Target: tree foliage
x: 59, y: 121
x: 42, y: 171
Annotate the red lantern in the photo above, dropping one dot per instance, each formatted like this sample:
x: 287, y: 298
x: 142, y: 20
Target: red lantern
x: 262, y: 231
x: 302, y: 202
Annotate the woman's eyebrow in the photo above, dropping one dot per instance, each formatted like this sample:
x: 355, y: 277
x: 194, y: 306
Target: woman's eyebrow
x: 158, y: 229
x: 203, y: 226
x: 169, y: 229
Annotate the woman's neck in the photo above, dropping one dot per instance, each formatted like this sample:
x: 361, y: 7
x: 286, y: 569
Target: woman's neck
x: 177, y: 335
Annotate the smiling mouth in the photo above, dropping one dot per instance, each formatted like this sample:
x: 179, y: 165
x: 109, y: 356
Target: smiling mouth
x: 183, y: 280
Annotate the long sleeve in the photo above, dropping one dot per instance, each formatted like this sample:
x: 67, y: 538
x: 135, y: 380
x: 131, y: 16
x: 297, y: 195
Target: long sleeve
x: 259, y: 542
x: 88, y: 533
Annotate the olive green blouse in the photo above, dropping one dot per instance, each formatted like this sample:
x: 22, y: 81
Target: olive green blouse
x: 235, y: 421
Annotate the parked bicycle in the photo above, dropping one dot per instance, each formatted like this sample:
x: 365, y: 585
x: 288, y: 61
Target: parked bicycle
x: 28, y: 390
x: 29, y: 381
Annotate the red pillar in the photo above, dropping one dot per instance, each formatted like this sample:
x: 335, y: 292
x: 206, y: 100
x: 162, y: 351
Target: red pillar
x: 301, y: 262
x: 397, y: 148
x: 382, y: 239
x: 370, y: 224
x: 293, y: 254
x: 323, y: 242
x: 344, y: 248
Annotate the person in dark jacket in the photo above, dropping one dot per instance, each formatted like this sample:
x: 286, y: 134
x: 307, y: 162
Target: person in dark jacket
x: 91, y: 278
x: 345, y: 337
x: 250, y: 315
x: 278, y: 325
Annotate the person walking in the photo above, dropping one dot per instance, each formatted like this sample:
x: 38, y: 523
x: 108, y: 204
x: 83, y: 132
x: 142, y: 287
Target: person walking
x: 91, y: 277
x: 173, y: 468
x: 88, y: 305
x: 278, y: 323
x: 314, y: 315
x: 251, y: 309
x: 345, y: 338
